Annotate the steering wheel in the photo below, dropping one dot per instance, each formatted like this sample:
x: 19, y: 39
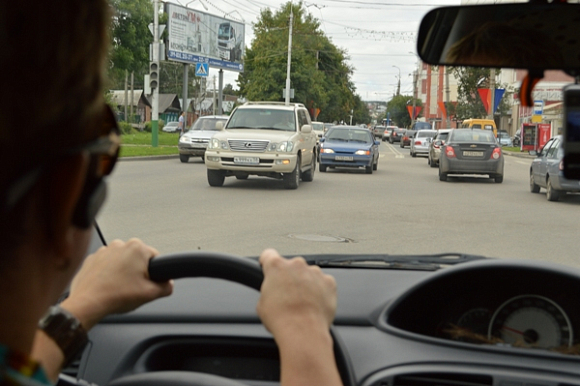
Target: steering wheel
x: 220, y: 266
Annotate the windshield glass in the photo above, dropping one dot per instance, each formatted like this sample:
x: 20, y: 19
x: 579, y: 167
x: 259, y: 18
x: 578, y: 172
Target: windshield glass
x: 207, y: 123
x: 263, y: 118
x: 224, y: 31
x: 317, y: 126
x: 426, y: 134
x: 170, y: 204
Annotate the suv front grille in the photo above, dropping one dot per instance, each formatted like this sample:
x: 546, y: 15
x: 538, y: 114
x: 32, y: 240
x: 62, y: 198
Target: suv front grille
x: 248, y: 145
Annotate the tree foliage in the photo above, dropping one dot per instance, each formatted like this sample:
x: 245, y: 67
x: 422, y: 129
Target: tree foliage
x: 469, y: 104
x: 397, y: 107
x: 320, y: 74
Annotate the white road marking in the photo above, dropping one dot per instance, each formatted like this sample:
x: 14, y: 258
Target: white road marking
x: 396, y: 152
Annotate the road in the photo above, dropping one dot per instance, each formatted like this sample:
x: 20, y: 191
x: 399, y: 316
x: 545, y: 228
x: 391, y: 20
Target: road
x: 402, y: 208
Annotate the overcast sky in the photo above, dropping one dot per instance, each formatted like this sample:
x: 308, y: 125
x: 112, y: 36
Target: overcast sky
x: 377, y: 34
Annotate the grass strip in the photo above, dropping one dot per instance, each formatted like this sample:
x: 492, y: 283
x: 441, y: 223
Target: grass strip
x: 143, y: 151
x: 143, y: 138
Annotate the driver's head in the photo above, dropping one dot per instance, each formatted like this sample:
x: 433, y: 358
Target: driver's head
x: 51, y: 104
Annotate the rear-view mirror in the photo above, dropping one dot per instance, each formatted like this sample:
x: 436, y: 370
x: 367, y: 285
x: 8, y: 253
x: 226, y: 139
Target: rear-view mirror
x: 521, y: 35
x: 219, y: 125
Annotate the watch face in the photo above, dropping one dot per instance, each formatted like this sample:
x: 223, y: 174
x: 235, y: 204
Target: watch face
x: 66, y: 331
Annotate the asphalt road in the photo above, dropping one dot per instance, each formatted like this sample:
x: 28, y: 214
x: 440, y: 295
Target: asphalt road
x: 402, y: 208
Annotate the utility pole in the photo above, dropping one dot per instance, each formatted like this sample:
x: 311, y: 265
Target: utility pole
x: 155, y: 64
x: 213, y: 97
x: 132, y: 96
x: 492, y: 90
x: 447, y: 97
x: 221, y: 92
x: 287, y: 101
x: 184, y: 105
x: 415, y: 76
x: 126, y: 94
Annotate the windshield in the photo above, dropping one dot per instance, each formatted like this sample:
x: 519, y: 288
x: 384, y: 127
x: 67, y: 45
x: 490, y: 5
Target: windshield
x: 470, y: 135
x: 207, y: 124
x: 170, y: 204
x: 317, y: 126
x: 224, y: 31
x: 426, y: 134
x: 263, y: 118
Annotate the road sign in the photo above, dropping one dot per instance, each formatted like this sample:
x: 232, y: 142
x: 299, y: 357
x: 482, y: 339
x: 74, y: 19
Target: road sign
x: 201, y: 69
x: 538, y: 107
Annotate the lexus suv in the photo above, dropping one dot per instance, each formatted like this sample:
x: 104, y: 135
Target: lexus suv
x: 268, y: 139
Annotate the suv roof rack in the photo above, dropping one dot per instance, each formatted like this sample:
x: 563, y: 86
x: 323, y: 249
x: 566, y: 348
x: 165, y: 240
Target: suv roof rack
x: 275, y: 103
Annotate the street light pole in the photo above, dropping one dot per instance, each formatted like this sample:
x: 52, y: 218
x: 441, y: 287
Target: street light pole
x: 287, y: 101
x: 399, y: 83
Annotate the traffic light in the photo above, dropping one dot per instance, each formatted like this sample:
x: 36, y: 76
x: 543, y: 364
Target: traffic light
x: 153, y: 75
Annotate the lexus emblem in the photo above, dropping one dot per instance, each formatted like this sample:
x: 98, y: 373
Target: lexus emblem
x: 248, y: 144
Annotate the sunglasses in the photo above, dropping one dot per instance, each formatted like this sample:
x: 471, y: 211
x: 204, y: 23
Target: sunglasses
x: 103, y: 152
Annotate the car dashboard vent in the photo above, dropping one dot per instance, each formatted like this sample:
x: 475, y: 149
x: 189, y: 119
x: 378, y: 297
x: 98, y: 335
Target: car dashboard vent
x: 442, y: 379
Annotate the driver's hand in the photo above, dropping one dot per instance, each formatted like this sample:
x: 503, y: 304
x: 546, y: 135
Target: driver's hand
x: 114, y: 280
x: 294, y: 295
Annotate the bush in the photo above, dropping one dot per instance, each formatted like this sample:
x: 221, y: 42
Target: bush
x: 147, y: 127
x: 126, y: 128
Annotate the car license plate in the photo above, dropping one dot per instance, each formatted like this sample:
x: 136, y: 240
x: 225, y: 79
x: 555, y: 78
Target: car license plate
x: 473, y: 154
x: 343, y: 158
x: 247, y: 160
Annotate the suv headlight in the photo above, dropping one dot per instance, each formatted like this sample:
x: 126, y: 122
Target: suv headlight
x: 216, y: 144
x: 283, y: 147
x: 184, y: 139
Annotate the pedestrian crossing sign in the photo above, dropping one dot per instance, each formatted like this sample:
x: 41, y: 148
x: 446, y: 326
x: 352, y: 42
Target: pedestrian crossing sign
x: 201, y: 69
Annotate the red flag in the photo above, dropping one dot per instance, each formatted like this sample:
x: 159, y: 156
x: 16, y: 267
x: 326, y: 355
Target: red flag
x: 417, y: 111
x: 443, y: 109
x: 485, y: 95
x: 410, y: 110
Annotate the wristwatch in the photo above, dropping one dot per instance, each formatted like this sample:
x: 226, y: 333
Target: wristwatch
x: 66, y: 331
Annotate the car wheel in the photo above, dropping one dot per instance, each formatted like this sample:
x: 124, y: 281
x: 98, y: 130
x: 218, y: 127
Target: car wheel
x: 376, y: 164
x: 203, y: 158
x: 413, y: 154
x: 498, y: 179
x: 309, y: 174
x: 322, y: 168
x: 369, y: 169
x: 401, y: 144
x: 292, y: 179
x: 215, y: 177
x: 184, y: 158
x: 551, y: 193
x: 391, y: 141
x: 534, y: 188
x: 442, y: 176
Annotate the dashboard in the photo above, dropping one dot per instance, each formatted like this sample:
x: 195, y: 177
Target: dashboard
x: 488, y: 322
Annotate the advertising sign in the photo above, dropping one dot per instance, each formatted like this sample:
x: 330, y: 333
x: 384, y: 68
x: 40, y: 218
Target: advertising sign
x: 529, y: 137
x: 198, y: 37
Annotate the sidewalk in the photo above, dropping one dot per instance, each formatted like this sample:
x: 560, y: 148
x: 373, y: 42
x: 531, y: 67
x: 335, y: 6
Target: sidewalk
x: 518, y: 154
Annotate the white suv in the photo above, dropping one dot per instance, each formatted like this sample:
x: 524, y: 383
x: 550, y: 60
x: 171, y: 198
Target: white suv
x: 267, y: 139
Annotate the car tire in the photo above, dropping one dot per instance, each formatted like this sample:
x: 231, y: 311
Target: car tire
x: 308, y: 175
x: 203, y: 158
x: 322, y: 168
x: 215, y: 177
x: 390, y: 141
x: 184, y: 158
x: 413, y: 154
x: 534, y: 188
x: 551, y: 193
x: 401, y: 144
x: 442, y: 176
x: 376, y: 164
x: 498, y: 179
x: 292, y: 179
x: 369, y: 169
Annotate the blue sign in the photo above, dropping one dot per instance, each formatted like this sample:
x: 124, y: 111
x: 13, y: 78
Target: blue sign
x: 538, y: 107
x: 201, y: 69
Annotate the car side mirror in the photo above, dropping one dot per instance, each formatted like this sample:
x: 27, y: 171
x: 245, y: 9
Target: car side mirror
x: 306, y: 129
x: 535, y: 153
x: 219, y: 125
x: 322, y: 139
x: 377, y: 143
x: 438, y: 143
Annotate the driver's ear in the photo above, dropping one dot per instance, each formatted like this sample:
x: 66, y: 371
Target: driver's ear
x: 65, y: 182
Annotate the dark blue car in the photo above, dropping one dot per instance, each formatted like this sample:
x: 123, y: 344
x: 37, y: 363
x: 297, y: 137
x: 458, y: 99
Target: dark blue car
x: 349, y: 146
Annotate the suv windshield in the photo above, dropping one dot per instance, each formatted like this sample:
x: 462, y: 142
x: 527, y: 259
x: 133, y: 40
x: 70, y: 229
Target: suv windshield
x: 263, y: 118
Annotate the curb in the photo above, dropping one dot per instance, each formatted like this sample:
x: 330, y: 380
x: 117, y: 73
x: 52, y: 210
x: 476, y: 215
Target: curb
x: 149, y: 158
x: 518, y: 155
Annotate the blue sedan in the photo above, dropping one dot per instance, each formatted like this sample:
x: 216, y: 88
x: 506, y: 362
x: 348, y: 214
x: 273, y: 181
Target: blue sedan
x: 349, y: 146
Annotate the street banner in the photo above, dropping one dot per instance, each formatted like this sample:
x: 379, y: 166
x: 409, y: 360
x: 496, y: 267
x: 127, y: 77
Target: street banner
x: 417, y: 111
x: 497, y: 98
x: 443, y: 109
x: 485, y: 95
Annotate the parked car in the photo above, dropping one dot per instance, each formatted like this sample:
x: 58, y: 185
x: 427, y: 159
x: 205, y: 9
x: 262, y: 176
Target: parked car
x: 407, y: 137
x: 420, y: 144
x: 435, y: 147
x: 469, y: 151
x: 517, y: 138
x: 318, y: 128
x: 194, y: 142
x: 378, y: 131
x: 349, y: 146
x: 396, y: 135
x: 387, y: 133
x: 268, y: 139
x: 171, y: 127
x: 547, y: 172
x: 504, y: 138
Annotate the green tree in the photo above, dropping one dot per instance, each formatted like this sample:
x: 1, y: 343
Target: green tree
x: 320, y: 75
x: 130, y: 40
x: 469, y: 104
x: 397, y: 107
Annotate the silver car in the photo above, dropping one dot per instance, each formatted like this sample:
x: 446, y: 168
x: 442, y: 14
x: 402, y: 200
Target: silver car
x: 420, y: 144
x: 195, y: 141
x: 547, y: 172
x: 435, y: 147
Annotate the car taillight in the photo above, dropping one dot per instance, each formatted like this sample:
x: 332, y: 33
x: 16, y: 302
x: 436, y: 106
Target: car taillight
x: 449, y: 152
x: 417, y: 142
x: 496, y: 153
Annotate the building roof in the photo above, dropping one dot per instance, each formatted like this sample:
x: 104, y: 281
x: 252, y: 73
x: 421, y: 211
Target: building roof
x: 167, y: 103
x: 118, y: 97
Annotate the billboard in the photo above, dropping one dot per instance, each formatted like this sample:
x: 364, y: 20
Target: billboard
x: 198, y: 37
